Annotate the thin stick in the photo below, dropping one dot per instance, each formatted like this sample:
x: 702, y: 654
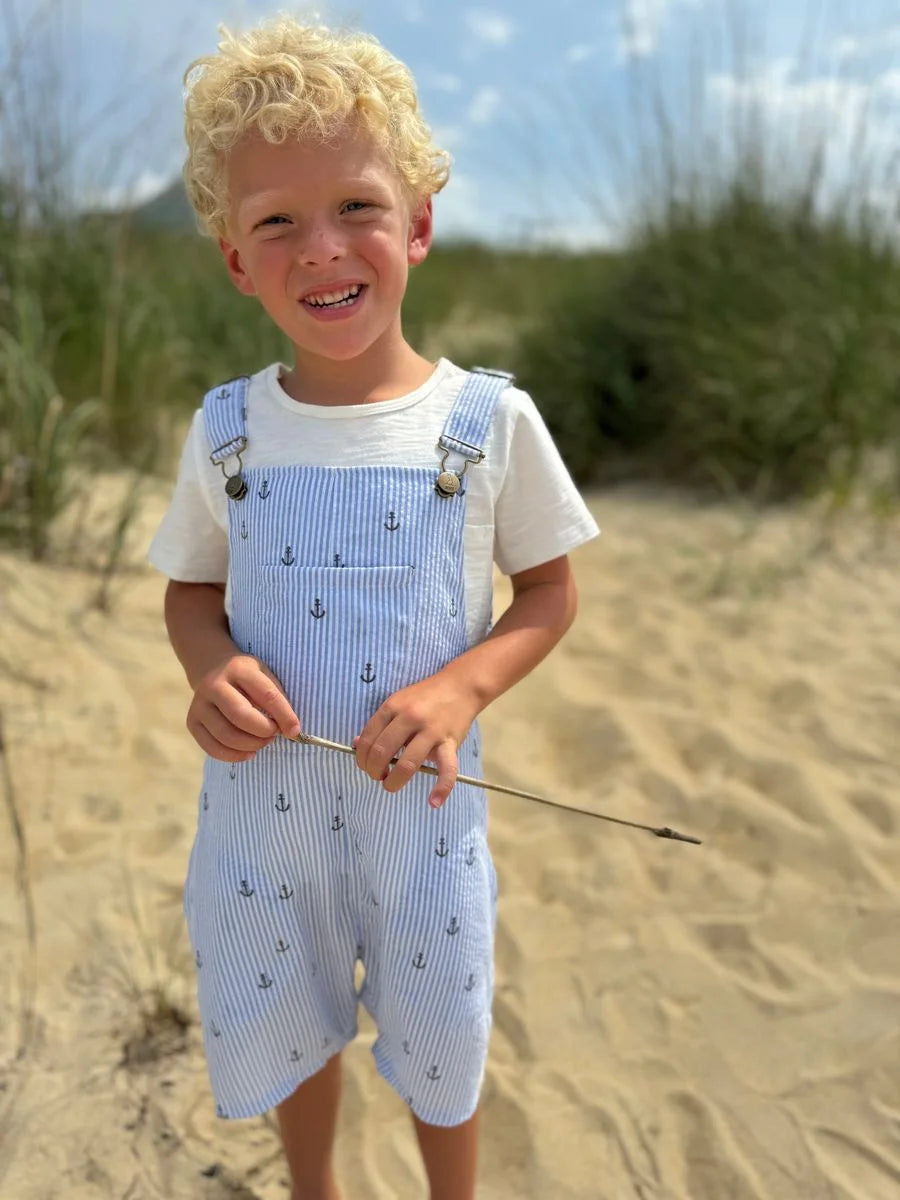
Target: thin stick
x: 309, y: 739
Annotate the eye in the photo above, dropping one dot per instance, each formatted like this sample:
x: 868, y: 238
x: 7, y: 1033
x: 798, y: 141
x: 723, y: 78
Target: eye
x: 356, y: 205
x: 275, y: 219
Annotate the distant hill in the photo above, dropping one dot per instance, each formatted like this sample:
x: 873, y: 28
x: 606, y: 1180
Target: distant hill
x: 168, y: 210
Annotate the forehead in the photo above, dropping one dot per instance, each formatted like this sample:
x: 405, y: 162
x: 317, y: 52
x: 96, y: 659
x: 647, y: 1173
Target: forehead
x: 256, y: 167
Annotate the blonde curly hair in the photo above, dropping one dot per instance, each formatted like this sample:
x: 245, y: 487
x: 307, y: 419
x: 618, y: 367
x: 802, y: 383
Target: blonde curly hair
x: 284, y: 80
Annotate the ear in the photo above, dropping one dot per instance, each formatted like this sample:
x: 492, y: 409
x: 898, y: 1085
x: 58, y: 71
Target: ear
x: 421, y: 231
x: 236, y: 269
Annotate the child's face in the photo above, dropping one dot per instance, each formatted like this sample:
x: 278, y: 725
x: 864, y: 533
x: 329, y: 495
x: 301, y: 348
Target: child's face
x: 324, y: 236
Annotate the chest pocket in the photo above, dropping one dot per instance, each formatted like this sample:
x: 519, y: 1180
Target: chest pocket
x: 338, y: 638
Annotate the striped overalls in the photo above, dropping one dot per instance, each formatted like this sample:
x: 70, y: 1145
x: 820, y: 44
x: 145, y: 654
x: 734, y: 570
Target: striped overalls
x: 347, y: 582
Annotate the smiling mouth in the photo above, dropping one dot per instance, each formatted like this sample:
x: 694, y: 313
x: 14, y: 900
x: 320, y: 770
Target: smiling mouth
x: 343, y: 298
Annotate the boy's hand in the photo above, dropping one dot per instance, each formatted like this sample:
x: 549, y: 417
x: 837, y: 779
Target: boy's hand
x: 239, y: 707
x: 428, y: 720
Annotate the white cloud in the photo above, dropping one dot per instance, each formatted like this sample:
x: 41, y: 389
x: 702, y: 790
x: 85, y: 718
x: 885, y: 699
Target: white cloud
x: 457, y: 212
x: 645, y: 21
x: 580, y: 52
x: 449, y: 137
x: 484, y: 104
x: 443, y: 82
x: 848, y: 48
x: 851, y: 126
x: 126, y: 195
x: 889, y: 83
x: 490, y: 27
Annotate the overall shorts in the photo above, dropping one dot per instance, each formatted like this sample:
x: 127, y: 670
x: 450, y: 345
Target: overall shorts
x: 347, y: 582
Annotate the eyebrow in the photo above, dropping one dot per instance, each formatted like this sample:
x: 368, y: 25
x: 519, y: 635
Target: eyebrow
x: 271, y: 199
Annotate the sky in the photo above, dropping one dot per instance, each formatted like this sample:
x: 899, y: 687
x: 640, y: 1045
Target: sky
x: 562, y: 118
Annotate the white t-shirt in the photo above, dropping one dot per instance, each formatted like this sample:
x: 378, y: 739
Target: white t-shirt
x: 522, y: 508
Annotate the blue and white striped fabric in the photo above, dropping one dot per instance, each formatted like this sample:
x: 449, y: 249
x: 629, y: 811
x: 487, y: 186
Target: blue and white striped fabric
x: 348, y: 583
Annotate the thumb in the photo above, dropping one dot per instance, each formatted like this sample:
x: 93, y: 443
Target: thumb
x: 265, y: 691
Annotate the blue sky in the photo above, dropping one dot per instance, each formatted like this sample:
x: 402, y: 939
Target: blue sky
x: 545, y: 107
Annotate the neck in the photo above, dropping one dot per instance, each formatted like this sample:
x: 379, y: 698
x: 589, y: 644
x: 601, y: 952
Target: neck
x: 382, y: 373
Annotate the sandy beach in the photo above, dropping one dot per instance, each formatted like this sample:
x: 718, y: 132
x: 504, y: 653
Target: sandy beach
x: 671, y: 1022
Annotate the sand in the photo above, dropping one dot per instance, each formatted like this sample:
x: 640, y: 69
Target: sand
x: 715, y: 1022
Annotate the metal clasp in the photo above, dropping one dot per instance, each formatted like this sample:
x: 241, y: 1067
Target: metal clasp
x: 235, y: 485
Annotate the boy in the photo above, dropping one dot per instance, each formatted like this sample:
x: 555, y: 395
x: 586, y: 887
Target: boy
x: 329, y: 549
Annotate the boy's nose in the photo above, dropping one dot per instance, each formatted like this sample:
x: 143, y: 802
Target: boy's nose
x: 321, y: 245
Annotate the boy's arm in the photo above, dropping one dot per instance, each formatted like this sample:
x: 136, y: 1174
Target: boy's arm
x: 430, y: 719
x: 238, y: 705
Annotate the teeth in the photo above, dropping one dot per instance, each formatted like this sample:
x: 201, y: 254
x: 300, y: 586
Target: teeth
x: 335, y: 297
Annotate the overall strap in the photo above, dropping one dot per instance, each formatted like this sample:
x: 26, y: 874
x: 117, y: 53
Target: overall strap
x: 466, y: 428
x: 225, y: 417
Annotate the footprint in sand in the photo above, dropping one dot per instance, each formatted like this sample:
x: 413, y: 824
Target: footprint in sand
x: 875, y: 810
x: 714, y: 1167
x: 855, y: 1166
x: 732, y: 947
x: 101, y: 808
x: 158, y: 840
x: 509, y: 1025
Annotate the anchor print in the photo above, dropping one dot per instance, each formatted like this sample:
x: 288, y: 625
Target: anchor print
x: 214, y: 1029
x: 220, y: 1111
x: 475, y: 749
x: 296, y: 1056
x: 406, y: 1049
x: 281, y: 804
x: 232, y: 772
x: 264, y: 491
x: 453, y: 927
x: 317, y: 610
x: 244, y: 414
x: 243, y: 529
x: 205, y: 801
x: 433, y: 1074
x: 373, y: 901
x: 470, y: 983
x: 453, y: 609
x: 326, y: 1042
x: 198, y: 959
x: 392, y: 524
x: 245, y: 889
x: 337, y: 823
x: 288, y: 557
x: 441, y: 849
x: 285, y: 892
x: 368, y: 676
x: 281, y: 946
x: 470, y: 857
x: 222, y: 393
x: 264, y: 980
x: 419, y: 961
x: 337, y: 561
x: 249, y: 647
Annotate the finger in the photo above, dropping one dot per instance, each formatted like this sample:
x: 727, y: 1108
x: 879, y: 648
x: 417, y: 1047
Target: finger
x: 445, y: 759
x: 264, y: 691
x: 230, y: 735
x: 216, y: 749
x: 362, y: 744
x: 408, y: 762
x: 382, y: 738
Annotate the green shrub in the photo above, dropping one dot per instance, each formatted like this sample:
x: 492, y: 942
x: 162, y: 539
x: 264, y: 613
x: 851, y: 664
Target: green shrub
x: 753, y: 347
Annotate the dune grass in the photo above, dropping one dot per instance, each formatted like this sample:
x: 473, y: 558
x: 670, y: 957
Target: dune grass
x: 743, y: 338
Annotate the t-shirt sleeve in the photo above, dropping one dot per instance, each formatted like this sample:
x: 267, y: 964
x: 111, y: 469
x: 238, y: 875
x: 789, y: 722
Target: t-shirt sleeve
x: 191, y: 543
x: 539, y: 513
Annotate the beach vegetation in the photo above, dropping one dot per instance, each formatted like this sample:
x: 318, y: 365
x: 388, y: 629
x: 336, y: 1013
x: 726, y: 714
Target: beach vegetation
x: 740, y: 338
